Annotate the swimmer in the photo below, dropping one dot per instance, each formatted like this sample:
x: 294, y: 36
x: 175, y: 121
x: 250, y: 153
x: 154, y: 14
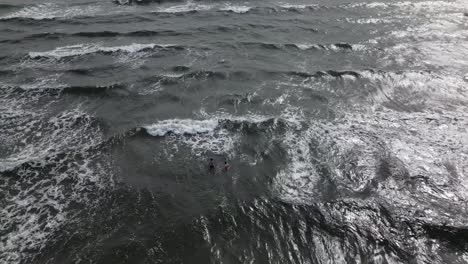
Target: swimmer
x: 226, y: 166
x: 211, y: 166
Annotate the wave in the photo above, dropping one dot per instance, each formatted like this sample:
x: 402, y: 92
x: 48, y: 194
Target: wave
x: 410, y: 6
x: 182, y: 127
x: 44, y: 12
x: 238, y: 9
x: 322, y: 74
x: 334, y: 47
x: 63, y: 89
x: 298, y: 7
x: 96, y: 34
x: 92, y: 89
x: 182, y: 73
x: 305, y: 46
x: 203, y: 126
x: 143, y: 2
x: 192, y: 7
x: 217, y: 134
x: 52, y: 11
x: 138, y: 33
x: 83, y: 49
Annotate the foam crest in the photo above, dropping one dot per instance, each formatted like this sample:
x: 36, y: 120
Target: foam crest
x: 83, y: 49
x: 202, y: 136
x: 52, y: 11
x: 296, y: 6
x: 414, y: 6
x: 193, y: 7
x: 185, y: 8
x: 181, y: 127
x: 329, y: 47
x: 236, y: 9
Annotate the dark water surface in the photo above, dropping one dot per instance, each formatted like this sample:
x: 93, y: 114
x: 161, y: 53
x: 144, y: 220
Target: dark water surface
x: 344, y: 121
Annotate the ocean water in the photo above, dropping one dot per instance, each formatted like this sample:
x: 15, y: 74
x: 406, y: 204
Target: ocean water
x: 344, y: 123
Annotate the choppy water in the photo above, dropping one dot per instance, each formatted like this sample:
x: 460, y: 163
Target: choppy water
x: 345, y: 124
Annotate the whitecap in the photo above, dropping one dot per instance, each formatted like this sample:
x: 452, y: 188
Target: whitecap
x: 181, y: 127
x: 295, y: 6
x: 53, y: 10
x: 306, y: 46
x: 236, y: 9
x: 185, y: 8
x: 89, y: 48
x: 202, y: 136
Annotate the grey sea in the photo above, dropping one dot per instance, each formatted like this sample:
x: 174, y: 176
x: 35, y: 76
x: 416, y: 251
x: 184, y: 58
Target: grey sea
x: 343, y: 123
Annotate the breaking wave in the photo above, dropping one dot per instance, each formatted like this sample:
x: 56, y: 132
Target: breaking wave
x: 83, y: 49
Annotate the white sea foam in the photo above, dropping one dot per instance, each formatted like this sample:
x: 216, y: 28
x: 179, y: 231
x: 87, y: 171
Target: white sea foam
x: 305, y: 46
x: 423, y: 142
x: 191, y: 6
x: 329, y: 47
x: 293, y: 6
x: 38, y: 204
x: 184, y: 8
x: 202, y: 136
x: 50, y: 82
x: 298, y: 180
x: 370, y: 20
x: 182, y: 126
x: 236, y: 9
x: 413, y: 6
x: 428, y: 90
x: 53, y: 10
x: 431, y: 145
x: 82, y: 49
x: 192, y: 127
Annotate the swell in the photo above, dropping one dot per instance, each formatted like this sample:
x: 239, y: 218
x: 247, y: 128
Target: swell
x: 190, y: 127
x: 244, y: 75
x: 138, y: 33
x: 90, y: 49
x: 93, y: 34
x: 74, y: 90
x: 7, y: 6
x: 180, y: 74
x: 319, y: 74
x: 273, y: 46
x: 82, y: 16
x: 172, y: 33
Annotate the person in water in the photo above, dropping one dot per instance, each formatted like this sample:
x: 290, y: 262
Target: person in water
x: 211, y: 166
x: 226, y: 166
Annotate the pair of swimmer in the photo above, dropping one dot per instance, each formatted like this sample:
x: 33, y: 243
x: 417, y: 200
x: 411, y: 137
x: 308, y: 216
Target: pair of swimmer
x: 211, y: 166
